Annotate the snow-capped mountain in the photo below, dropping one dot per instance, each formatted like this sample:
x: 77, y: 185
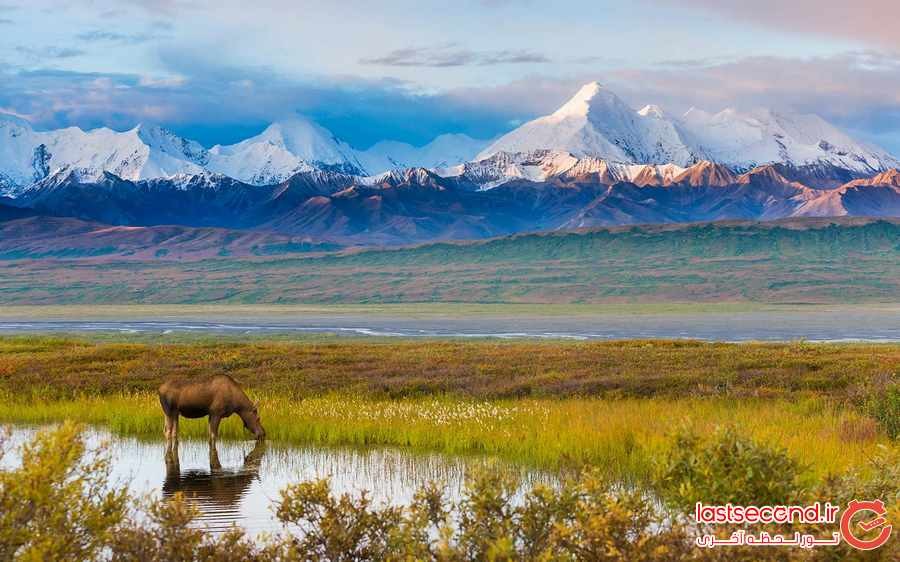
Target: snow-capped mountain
x: 285, y: 148
x: 443, y: 152
x: 595, y: 136
x: 597, y: 123
x: 545, y: 165
x: 743, y: 140
x: 27, y: 156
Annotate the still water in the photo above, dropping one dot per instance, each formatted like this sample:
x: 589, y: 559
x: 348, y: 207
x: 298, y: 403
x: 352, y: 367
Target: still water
x: 238, y: 482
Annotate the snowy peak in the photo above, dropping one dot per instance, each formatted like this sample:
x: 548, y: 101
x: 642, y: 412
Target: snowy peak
x: 28, y: 156
x: 409, y: 176
x: 597, y: 123
x: 167, y: 142
x: 744, y: 140
x: 445, y: 151
x: 283, y: 149
x: 305, y: 140
x: 590, y: 97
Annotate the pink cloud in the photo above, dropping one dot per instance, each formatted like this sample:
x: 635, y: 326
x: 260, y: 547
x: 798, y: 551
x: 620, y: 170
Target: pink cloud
x: 867, y: 21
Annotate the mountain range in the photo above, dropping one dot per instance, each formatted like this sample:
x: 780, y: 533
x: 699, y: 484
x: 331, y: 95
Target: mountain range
x: 593, y: 162
x: 282, y: 150
x: 597, y: 123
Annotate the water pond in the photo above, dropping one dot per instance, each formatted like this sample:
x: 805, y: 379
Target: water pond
x: 238, y: 482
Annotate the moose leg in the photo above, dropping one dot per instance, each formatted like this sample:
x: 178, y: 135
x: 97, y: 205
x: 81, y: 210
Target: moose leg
x: 171, y: 427
x: 214, y: 427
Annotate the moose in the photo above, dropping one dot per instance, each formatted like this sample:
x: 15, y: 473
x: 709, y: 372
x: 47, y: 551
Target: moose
x: 217, y: 397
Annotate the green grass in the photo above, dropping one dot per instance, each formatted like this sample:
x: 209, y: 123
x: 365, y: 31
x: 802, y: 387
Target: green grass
x: 857, y: 262
x: 620, y: 436
x: 549, y: 403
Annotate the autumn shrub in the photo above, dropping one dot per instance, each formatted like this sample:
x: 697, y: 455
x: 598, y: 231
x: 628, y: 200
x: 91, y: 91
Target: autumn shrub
x: 58, y: 505
x: 726, y: 468
x: 879, y: 398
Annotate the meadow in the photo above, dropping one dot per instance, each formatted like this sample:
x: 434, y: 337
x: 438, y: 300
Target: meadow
x: 812, y: 261
x: 637, y: 430
x: 613, y: 405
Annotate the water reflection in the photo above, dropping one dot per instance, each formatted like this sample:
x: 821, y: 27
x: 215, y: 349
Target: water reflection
x: 238, y: 482
x: 217, y: 491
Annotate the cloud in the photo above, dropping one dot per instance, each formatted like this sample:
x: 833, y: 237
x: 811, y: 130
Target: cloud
x: 100, y: 35
x: 450, y: 55
x: 858, y: 91
x: 865, y: 21
x: 221, y: 104
x: 214, y: 102
x: 835, y: 86
x: 48, y: 52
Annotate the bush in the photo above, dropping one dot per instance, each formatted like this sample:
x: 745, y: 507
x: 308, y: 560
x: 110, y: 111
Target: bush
x: 880, y: 400
x: 728, y: 468
x: 57, y: 506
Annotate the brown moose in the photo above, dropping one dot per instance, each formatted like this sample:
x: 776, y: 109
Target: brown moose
x: 218, y: 398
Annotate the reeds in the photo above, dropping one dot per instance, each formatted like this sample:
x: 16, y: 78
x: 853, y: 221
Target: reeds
x: 621, y: 436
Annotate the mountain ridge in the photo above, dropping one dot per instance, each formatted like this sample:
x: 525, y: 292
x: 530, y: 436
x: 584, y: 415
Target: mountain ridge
x: 594, y: 124
x: 417, y: 205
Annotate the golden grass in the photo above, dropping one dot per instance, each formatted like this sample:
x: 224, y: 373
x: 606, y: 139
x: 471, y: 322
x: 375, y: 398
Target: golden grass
x: 622, y: 436
x: 550, y: 404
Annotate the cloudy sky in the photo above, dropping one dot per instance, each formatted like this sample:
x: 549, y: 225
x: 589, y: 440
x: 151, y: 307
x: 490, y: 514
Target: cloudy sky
x: 218, y: 71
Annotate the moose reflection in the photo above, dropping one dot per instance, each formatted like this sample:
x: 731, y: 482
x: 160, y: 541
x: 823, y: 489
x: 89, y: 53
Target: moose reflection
x: 217, y: 491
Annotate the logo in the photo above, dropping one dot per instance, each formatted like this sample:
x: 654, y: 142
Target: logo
x: 866, y: 524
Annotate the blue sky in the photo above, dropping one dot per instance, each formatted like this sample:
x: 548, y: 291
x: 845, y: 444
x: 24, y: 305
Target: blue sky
x: 410, y: 70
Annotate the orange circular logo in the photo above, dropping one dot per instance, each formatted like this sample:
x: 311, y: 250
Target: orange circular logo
x: 866, y: 525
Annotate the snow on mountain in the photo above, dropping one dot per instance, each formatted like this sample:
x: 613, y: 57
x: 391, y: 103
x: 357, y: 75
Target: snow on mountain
x: 594, y: 136
x: 596, y: 123
x: 444, y: 151
x: 27, y: 156
x: 285, y: 148
x: 543, y: 165
x: 743, y: 140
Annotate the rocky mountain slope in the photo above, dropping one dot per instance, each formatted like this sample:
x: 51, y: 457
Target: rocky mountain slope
x: 417, y: 205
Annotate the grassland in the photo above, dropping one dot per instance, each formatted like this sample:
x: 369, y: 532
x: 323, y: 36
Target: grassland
x: 64, y: 367
x: 551, y: 404
x: 854, y: 262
